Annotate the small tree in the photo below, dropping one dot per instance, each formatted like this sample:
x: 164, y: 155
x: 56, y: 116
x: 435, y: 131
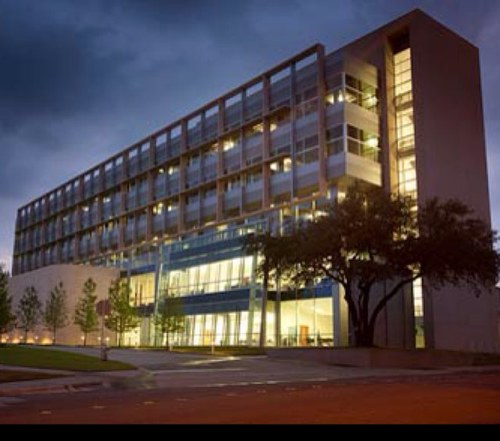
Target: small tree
x: 370, y: 238
x: 123, y: 316
x: 29, y: 311
x: 85, y: 313
x: 7, y: 319
x: 55, y: 315
x: 169, y: 317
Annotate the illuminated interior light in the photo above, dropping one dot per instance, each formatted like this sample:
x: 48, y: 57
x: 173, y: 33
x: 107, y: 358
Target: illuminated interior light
x: 258, y: 128
x: 372, y: 142
x: 287, y: 164
x: 371, y: 101
x: 330, y: 99
x: 228, y: 144
x: 161, y: 171
x: 273, y: 127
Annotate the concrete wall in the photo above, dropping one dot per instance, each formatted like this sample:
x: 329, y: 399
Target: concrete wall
x: 73, y: 277
x: 450, y: 158
x: 451, y: 163
x: 380, y: 358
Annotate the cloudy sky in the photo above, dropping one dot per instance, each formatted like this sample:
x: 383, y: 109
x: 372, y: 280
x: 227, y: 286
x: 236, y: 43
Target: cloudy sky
x: 80, y: 80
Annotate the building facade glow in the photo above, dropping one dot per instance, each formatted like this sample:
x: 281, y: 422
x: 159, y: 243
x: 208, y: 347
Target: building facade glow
x: 170, y: 211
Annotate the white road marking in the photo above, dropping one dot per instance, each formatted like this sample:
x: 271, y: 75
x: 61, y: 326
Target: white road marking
x: 260, y: 383
x: 190, y: 371
x: 5, y: 401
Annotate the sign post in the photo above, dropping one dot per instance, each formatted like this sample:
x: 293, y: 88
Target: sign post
x: 103, y: 308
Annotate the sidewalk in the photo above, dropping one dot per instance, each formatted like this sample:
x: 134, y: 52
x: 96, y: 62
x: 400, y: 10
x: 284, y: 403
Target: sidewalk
x: 70, y: 381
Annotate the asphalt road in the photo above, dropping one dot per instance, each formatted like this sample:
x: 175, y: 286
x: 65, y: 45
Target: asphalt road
x: 179, y: 388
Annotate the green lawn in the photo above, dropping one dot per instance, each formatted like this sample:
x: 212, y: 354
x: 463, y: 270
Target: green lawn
x: 50, y: 359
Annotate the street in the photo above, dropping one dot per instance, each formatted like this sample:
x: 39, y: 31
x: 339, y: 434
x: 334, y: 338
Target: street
x: 181, y: 388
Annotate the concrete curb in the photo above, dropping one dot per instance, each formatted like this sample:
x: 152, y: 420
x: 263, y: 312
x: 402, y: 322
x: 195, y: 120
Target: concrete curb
x: 49, y: 388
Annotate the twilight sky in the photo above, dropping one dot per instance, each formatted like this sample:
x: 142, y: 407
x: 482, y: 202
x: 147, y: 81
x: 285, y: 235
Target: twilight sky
x: 81, y: 80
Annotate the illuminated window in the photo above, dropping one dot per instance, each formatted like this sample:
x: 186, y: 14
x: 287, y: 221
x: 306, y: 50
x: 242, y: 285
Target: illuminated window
x: 158, y: 208
x: 228, y: 144
x: 287, y: 164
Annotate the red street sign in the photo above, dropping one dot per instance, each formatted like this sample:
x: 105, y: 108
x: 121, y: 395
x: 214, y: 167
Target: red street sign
x: 103, y: 307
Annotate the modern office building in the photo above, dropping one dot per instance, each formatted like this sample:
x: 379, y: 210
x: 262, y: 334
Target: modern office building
x: 400, y: 108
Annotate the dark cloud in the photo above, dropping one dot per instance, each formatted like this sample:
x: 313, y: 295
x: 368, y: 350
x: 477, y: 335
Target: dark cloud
x: 82, y: 80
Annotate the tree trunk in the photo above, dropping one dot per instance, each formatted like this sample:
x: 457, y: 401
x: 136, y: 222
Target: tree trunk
x: 84, y: 339
x: 364, y: 332
x: 364, y: 337
x: 168, y: 341
x: 54, y: 336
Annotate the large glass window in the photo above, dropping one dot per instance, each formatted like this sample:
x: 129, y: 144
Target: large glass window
x: 407, y: 174
x: 355, y: 91
x: 211, y: 277
x: 142, y: 289
x: 362, y: 143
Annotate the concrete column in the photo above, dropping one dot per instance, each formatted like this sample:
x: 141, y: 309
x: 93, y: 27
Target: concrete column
x: 266, y: 141
x: 340, y: 317
x: 322, y: 178
x: 149, y: 214
x: 219, y: 210
x: 124, y: 175
x: 152, y: 152
x: 102, y: 178
x: 293, y: 136
x: 151, y: 183
x: 182, y: 197
x: 80, y: 192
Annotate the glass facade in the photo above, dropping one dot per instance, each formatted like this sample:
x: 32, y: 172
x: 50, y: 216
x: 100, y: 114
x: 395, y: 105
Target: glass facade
x: 407, y: 172
x: 171, y: 210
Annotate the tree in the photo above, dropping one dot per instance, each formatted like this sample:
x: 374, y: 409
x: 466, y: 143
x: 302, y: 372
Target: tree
x: 29, y: 311
x: 123, y: 316
x: 169, y: 317
x: 55, y: 315
x: 85, y: 313
x: 7, y: 319
x: 275, y: 252
x: 371, y: 238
